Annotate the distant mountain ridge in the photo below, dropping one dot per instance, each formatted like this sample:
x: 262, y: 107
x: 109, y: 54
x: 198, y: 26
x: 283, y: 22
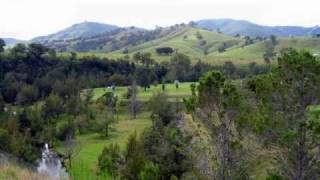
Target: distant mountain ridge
x: 242, y: 27
x: 12, y: 41
x: 81, y: 30
x: 227, y: 26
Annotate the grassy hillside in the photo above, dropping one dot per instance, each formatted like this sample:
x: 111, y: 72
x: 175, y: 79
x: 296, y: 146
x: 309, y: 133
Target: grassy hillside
x: 254, y: 52
x: 201, y: 44
x: 185, y: 40
x: 188, y: 40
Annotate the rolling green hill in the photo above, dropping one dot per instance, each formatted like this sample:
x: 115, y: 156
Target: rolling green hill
x: 254, y: 52
x: 185, y: 40
x: 196, y: 43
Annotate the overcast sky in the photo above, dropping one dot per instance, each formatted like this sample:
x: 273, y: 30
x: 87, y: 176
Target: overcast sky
x: 25, y: 19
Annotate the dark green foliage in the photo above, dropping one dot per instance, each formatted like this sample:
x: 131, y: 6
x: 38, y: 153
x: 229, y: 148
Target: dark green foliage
x: 27, y: 94
x: 150, y: 171
x: 274, y: 176
x: 222, y: 48
x: 53, y: 106
x: 134, y: 103
x: 229, y: 68
x: 248, y: 40
x: 145, y: 77
x: 110, y: 160
x: 180, y: 65
x: 199, y: 36
x: 135, y: 158
x: 110, y: 101
x: 2, y: 45
x: 284, y: 98
x: 164, y: 50
x: 218, y: 104
x: 162, y: 110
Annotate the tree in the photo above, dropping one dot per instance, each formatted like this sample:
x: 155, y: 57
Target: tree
x: 273, y: 40
x: 73, y: 56
x: 164, y: 50
x: 248, y: 40
x: 229, y: 68
x: 19, y: 51
x: 71, y: 150
x: 144, y: 58
x: 222, y: 48
x: 2, y: 45
x: 164, y: 143
x: 180, y: 66
x: 28, y: 94
x: 285, y: 97
x: 163, y: 85
x: 53, y: 106
x: 37, y: 50
x: 150, y: 171
x: 111, y: 101
x: 2, y: 103
x: 161, y: 108
x: 270, y: 46
x: 218, y: 105
x: 110, y: 160
x: 199, y: 36
x: 134, y: 103
x: 145, y: 77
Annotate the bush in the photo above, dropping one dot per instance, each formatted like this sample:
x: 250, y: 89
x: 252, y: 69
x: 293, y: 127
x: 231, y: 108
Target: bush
x: 65, y: 130
x: 110, y: 160
x: 164, y: 50
x: 150, y: 171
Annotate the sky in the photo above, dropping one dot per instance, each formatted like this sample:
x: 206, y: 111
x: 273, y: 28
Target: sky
x: 25, y: 19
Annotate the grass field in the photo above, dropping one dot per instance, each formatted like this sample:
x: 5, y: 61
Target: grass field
x: 84, y: 165
x: 170, y: 89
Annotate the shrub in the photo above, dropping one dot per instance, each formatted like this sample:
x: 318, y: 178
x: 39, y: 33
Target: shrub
x: 110, y: 160
x: 150, y: 171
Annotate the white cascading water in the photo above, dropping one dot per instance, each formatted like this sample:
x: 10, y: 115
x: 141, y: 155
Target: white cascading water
x: 51, y: 165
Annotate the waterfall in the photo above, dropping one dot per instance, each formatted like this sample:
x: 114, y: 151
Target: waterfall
x: 51, y: 165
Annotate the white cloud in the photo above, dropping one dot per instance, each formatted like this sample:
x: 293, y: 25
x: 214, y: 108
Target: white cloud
x: 28, y: 18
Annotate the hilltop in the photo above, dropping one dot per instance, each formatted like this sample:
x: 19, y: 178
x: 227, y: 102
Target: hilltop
x: 242, y: 27
x: 81, y: 30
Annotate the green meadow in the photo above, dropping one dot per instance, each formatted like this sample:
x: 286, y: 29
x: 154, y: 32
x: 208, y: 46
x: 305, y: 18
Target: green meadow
x: 89, y: 146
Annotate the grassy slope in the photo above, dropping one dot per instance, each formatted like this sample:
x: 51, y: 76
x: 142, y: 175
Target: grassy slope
x: 255, y: 51
x: 191, y: 46
x: 84, y: 166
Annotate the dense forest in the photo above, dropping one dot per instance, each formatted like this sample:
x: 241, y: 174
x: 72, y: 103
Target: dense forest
x: 237, y: 123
